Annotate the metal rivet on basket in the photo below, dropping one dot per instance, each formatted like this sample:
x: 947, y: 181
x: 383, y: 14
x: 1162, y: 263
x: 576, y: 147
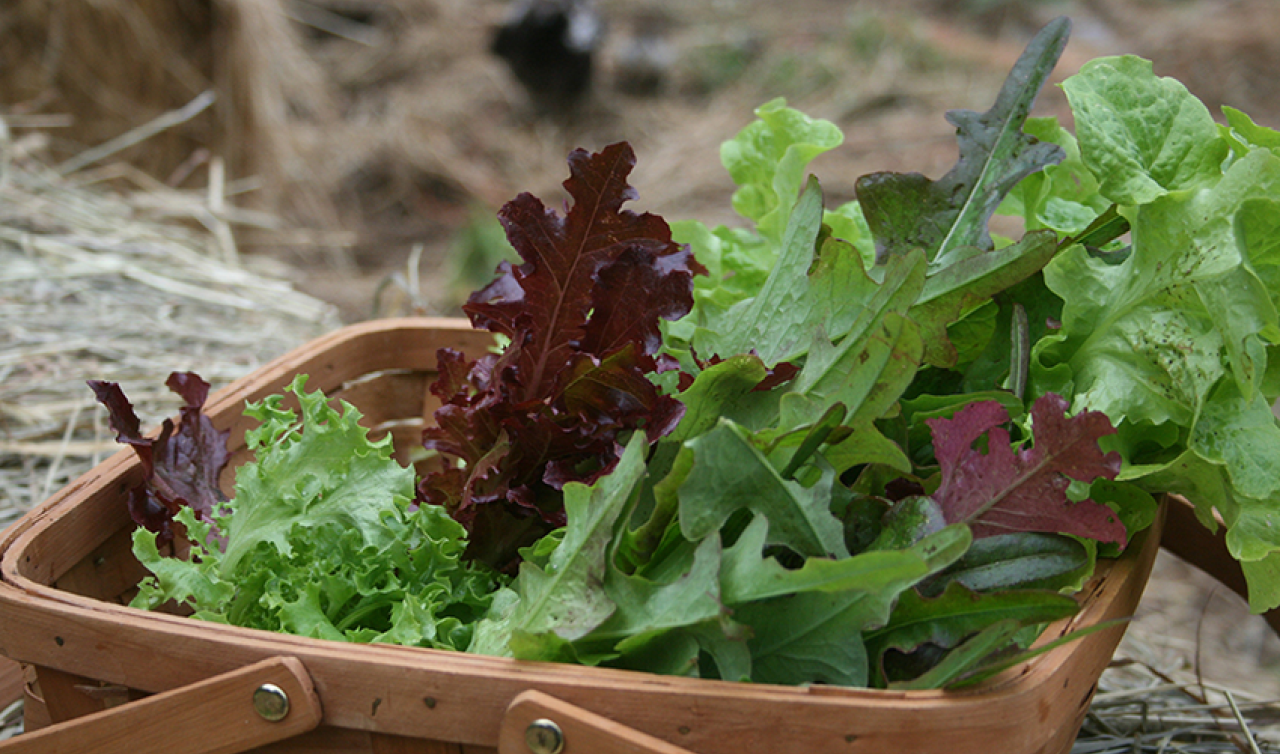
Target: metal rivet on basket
x: 271, y: 702
x: 543, y: 736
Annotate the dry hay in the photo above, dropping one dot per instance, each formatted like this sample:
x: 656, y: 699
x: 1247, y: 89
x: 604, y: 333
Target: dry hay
x: 99, y: 69
x: 124, y: 286
x: 1146, y: 702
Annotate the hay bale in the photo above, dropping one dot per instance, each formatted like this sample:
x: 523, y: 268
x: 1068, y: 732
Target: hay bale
x: 114, y: 64
x: 124, y: 286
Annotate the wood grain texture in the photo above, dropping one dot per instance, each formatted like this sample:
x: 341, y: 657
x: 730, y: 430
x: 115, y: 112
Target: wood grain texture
x: 12, y: 681
x: 583, y: 732
x: 443, y: 699
x: 214, y: 716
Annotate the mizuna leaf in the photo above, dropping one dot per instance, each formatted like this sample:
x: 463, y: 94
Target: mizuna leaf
x: 582, y: 314
x: 181, y: 465
x: 1002, y: 490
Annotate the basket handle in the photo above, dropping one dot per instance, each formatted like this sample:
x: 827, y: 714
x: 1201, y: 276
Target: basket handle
x: 253, y: 706
x: 538, y: 723
x: 1187, y: 538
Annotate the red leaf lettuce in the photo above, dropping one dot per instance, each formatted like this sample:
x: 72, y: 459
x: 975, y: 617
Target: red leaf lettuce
x: 181, y: 465
x: 582, y: 315
x: 1002, y: 490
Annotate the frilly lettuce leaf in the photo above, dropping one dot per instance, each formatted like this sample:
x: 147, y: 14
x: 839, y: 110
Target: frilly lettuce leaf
x: 320, y: 540
x: 767, y: 161
x: 1176, y: 341
x: 1141, y: 135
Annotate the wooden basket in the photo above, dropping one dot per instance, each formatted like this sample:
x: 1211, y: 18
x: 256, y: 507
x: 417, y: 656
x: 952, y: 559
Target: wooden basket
x: 68, y: 572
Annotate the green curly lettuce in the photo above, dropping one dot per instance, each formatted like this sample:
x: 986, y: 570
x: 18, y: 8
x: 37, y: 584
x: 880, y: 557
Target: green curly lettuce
x: 321, y: 539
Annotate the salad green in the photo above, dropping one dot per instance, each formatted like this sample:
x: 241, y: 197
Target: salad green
x: 869, y: 445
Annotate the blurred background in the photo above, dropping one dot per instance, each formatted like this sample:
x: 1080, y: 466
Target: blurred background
x: 355, y: 152
x: 364, y: 127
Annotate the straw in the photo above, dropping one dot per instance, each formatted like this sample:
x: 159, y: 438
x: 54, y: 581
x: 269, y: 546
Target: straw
x: 121, y: 285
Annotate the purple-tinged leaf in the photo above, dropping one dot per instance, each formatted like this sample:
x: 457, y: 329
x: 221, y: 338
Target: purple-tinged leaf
x: 181, y: 465
x: 582, y: 313
x: 997, y: 490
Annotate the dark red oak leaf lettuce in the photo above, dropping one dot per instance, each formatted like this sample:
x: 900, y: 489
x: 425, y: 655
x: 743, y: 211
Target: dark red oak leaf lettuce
x: 1001, y: 490
x: 582, y: 314
x: 181, y: 465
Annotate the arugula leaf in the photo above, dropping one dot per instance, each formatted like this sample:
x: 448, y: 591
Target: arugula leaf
x: 949, y: 218
x: 181, y: 466
x: 731, y: 473
x: 1001, y: 490
x: 775, y: 322
x: 817, y: 281
x: 949, y: 619
x: 747, y: 576
x: 806, y: 623
x: 681, y: 609
x: 582, y: 314
x: 870, y: 366
x: 566, y: 594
